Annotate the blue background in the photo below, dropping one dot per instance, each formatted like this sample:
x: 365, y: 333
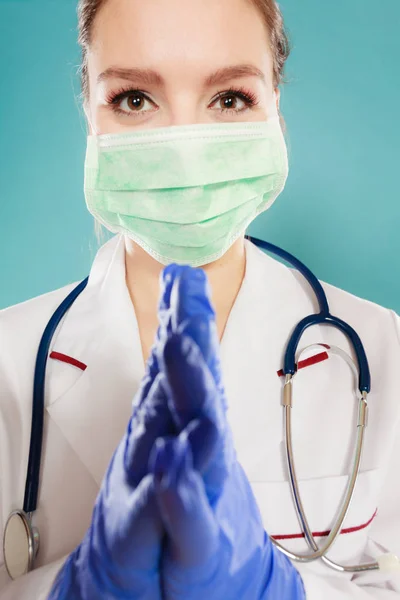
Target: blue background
x: 340, y: 211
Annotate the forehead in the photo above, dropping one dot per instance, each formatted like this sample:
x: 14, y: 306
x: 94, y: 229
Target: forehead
x: 196, y: 34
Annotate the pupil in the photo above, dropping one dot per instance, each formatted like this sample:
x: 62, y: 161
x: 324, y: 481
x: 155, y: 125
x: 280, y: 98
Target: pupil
x: 228, y: 101
x: 135, y: 101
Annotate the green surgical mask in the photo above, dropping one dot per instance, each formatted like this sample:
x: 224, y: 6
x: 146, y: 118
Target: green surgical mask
x: 185, y: 193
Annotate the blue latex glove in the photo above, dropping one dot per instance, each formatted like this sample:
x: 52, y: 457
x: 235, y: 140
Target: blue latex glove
x: 217, y: 547
x: 120, y: 554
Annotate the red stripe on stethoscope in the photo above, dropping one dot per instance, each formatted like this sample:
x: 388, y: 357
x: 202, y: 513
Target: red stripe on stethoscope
x: 69, y: 360
x: 312, y: 360
x: 295, y: 536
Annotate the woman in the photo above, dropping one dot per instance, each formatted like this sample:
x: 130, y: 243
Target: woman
x: 195, y: 520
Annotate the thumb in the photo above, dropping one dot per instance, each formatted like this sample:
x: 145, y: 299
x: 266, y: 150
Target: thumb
x: 184, y: 509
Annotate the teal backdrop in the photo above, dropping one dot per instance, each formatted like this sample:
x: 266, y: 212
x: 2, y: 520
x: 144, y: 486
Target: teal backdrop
x: 340, y: 211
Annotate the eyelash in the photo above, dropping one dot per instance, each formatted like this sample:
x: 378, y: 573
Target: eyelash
x: 249, y: 98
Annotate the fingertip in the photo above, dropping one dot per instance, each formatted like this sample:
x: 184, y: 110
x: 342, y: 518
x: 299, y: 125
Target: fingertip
x: 167, y: 278
x: 166, y: 460
x: 152, y: 367
x: 151, y: 372
x: 158, y: 460
x: 190, y: 295
x: 193, y: 283
x: 169, y: 271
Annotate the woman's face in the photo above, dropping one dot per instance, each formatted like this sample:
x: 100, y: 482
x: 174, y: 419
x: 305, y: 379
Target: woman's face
x: 157, y: 63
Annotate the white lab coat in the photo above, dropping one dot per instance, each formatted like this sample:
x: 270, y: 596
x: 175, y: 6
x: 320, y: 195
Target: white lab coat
x: 87, y: 412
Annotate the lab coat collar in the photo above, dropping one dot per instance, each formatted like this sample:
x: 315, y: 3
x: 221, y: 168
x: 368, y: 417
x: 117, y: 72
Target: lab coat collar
x: 101, y: 331
x: 102, y: 311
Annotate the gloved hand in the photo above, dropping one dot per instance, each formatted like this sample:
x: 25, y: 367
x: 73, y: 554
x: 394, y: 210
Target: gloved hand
x: 120, y: 554
x: 217, y: 547
x: 196, y: 502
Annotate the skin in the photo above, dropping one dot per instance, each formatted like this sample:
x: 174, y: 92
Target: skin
x: 184, y: 42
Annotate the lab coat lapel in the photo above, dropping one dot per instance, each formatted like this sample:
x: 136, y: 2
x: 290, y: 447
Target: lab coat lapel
x: 252, y: 352
x: 101, y: 332
x: 271, y: 301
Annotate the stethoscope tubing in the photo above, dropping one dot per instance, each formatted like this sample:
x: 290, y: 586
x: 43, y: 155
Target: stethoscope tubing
x: 322, y: 318
x: 35, y: 448
x: 293, y: 480
x: 290, y: 367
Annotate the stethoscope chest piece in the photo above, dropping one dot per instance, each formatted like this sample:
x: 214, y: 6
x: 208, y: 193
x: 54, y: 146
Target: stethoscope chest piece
x: 20, y: 544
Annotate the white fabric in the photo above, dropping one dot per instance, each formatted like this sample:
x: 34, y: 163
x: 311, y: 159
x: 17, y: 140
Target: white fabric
x: 87, y: 413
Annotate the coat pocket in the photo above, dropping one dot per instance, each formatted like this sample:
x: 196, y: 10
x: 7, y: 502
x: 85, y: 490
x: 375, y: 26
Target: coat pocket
x: 321, y: 497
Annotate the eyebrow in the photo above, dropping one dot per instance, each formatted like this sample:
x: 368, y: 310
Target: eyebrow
x: 150, y: 77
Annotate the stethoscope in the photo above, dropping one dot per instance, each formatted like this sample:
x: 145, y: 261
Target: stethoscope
x: 21, y: 539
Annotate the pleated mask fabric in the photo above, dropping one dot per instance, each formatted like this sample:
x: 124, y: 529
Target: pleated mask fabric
x: 185, y: 193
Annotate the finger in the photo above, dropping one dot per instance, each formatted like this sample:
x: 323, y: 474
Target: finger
x: 191, y: 362
x: 153, y: 419
x: 190, y: 295
x: 150, y: 417
x: 208, y: 458
x: 193, y: 392
x: 121, y: 550
x: 192, y: 314
x: 203, y: 439
x: 126, y: 529
x: 202, y: 436
x: 136, y: 533
x: 152, y: 367
x: 179, y: 491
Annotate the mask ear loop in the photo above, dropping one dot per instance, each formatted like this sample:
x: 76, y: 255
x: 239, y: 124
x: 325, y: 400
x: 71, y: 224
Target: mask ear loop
x: 89, y: 121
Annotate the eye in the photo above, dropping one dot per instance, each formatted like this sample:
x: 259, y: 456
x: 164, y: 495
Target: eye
x: 235, y: 100
x: 129, y: 102
x: 134, y: 102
